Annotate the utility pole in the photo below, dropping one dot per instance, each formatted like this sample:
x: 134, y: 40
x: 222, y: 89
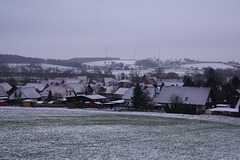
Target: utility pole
x: 159, y: 53
x: 134, y: 52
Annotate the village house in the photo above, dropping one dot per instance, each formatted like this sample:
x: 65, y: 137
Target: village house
x: 108, y: 91
x: 39, y: 87
x: 199, y: 96
x: 82, y: 79
x: 79, y: 88
x: 149, y: 90
x: 125, y: 83
x: 19, y: 93
x: 109, y: 81
x: 117, y: 105
x: 59, y: 91
x: 230, y: 108
x: 120, y: 92
x: 149, y: 80
x: 94, y: 101
x: 233, y: 98
x: 225, y: 109
x: 170, y: 82
x: 89, y: 101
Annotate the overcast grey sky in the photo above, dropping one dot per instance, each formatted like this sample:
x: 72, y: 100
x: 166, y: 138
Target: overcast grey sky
x: 199, y: 29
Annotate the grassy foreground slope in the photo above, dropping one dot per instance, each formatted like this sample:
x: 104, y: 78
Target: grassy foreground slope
x: 34, y: 133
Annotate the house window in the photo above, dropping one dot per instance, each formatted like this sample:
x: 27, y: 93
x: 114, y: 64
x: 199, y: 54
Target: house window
x: 210, y: 99
x: 186, y: 98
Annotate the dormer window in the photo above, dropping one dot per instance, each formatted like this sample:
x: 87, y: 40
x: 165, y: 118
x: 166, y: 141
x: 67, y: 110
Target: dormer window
x: 186, y: 98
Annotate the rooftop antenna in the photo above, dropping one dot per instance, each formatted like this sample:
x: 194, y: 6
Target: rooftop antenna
x: 159, y: 53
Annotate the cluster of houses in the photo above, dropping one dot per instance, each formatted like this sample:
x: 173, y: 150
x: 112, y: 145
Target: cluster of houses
x: 114, y: 94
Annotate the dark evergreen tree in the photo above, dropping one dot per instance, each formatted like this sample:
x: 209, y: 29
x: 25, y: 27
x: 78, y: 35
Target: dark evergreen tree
x: 188, y: 81
x: 211, y: 79
x: 49, y: 98
x: 139, y: 99
x: 235, y: 82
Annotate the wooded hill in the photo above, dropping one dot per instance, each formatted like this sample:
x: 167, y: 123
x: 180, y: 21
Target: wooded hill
x: 74, y: 62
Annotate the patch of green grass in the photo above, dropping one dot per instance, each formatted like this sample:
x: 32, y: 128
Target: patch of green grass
x: 54, y: 135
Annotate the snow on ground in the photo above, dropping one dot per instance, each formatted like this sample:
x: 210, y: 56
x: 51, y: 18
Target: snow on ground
x: 204, y: 65
x: 60, y: 133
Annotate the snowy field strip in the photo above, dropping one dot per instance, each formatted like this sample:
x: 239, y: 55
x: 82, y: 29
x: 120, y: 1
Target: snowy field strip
x: 60, y: 133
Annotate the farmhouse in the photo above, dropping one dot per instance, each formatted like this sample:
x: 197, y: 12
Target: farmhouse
x: 93, y: 101
x: 149, y: 80
x: 22, y: 93
x: 120, y: 92
x: 170, y: 82
x: 150, y: 91
x: 79, y: 88
x: 233, y: 98
x: 199, y: 96
x: 39, y: 87
x: 59, y: 91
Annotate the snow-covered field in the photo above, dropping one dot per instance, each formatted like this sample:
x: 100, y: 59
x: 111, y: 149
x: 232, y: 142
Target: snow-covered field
x: 59, y: 133
x: 103, y: 63
x: 204, y: 65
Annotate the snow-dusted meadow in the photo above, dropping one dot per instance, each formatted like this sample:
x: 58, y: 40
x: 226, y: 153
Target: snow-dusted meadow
x: 59, y: 133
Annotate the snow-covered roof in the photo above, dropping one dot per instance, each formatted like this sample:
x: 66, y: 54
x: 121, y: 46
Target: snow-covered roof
x: 97, y: 102
x: 72, y: 80
x: 95, y: 96
x: 29, y: 100
x: 224, y: 109
x: 3, y: 92
x: 39, y: 86
x: 5, y: 86
x: 78, y: 87
x: 121, y: 91
x: 128, y: 94
x: 29, y: 92
x: 109, y: 80
x: 118, y: 101
x: 108, y: 89
x: 151, y: 91
x: 188, y: 95
x: 82, y: 79
x: 124, y: 81
x: 57, y: 89
x: 170, y: 82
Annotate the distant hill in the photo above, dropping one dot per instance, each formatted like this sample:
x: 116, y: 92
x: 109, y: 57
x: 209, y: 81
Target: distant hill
x: 6, y: 58
x: 92, y: 59
x: 73, y: 62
